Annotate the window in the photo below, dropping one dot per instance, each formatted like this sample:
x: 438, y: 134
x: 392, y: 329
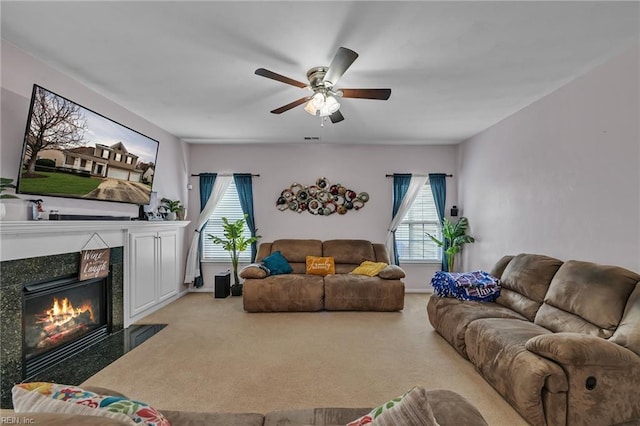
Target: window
x: 105, y: 153
x: 129, y: 160
x: 228, y: 207
x: 411, y: 238
x: 118, y: 157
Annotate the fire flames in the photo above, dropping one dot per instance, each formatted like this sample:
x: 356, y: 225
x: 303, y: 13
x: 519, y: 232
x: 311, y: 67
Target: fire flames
x: 63, y: 312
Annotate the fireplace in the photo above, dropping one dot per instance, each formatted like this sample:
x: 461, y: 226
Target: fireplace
x: 19, y: 274
x: 62, y: 317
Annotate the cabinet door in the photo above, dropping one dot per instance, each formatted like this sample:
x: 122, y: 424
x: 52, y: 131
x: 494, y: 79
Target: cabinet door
x: 167, y: 264
x: 143, y: 271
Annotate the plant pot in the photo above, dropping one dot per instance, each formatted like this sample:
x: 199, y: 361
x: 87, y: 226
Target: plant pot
x: 236, y: 290
x: 172, y: 216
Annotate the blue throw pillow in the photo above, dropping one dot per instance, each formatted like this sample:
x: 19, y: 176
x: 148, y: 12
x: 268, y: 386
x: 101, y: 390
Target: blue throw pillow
x: 277, y: 264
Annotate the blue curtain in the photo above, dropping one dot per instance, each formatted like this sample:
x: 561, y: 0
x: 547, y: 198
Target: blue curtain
x: 438, y: 182
x: 206, y: 186
x: 244, y: 186
x: 400, y: 186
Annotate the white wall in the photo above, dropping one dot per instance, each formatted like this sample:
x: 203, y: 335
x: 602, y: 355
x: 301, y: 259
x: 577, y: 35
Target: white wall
x: 560, y: 177
x: 361, y: 168
x: 19, y: 72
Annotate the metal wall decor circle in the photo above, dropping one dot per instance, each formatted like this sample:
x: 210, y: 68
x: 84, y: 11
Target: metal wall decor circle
x: 321, y: 199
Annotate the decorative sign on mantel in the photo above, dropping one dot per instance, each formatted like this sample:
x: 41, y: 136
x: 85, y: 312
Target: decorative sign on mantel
x: 321, y: 199
x: 94, y: 263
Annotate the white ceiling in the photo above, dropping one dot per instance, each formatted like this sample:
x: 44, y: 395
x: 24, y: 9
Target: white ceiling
x: 455, y: 68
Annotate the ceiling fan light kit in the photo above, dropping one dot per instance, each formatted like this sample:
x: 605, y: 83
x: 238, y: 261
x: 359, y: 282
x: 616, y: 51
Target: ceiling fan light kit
x: 324, y: 100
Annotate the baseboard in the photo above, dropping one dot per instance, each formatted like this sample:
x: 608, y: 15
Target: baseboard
x: 201, y: 290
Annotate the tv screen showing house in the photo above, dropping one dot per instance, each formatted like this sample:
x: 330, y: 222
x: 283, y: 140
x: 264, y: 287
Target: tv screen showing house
x: 73, y: 152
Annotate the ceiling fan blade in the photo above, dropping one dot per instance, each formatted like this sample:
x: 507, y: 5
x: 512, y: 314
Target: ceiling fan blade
x: 381, y: 94
x: 281, y: 78
x: 287, y: 107
x: 336, y: 117
x: 341, y: 61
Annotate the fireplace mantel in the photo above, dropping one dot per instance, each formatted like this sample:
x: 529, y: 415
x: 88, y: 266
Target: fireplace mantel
x: 25, y: 239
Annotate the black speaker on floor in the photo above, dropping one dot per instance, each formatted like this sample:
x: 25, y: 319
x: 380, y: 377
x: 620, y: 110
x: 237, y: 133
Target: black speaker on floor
x: 222, y: 285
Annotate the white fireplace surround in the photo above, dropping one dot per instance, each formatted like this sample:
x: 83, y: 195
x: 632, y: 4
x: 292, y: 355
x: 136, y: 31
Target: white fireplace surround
x: 26, y: 239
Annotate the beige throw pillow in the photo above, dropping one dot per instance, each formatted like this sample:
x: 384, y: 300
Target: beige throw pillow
x: 410, y: 409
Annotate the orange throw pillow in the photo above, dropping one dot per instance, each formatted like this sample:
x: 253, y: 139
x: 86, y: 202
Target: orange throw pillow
x: 320, y: 265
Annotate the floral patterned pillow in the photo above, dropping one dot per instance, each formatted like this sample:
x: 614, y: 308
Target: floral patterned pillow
x: 410, y: 409
x: 46, y: 397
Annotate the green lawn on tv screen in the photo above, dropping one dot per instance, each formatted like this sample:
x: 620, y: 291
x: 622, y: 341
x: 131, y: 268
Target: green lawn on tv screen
x: 58, y: 183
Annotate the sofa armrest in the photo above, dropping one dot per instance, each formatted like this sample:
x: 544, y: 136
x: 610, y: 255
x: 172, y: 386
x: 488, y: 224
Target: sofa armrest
x: 392, y: 272
x: 581, y: 350
x: 253, y: 270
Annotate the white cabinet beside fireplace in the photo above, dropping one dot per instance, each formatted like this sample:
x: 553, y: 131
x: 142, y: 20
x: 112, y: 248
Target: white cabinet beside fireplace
x: 154, y: 259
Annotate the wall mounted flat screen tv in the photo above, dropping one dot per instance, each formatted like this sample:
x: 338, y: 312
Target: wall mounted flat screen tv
x: 73, y: 152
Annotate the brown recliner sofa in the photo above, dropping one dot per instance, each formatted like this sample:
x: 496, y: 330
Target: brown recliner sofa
x: 300, y: 291
x: 562, y: 342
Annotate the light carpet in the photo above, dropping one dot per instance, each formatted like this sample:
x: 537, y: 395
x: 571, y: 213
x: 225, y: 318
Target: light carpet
x: 213, y: 356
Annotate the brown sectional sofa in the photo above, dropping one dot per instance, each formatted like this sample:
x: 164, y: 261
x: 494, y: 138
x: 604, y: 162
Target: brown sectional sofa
x: 562, y: 342
x: 299, y: 291
x: 449, y: 409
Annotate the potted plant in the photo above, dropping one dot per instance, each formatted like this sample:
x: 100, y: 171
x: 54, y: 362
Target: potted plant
x: 234, y: 242
x: 173, y: 207
x: 455, y: 236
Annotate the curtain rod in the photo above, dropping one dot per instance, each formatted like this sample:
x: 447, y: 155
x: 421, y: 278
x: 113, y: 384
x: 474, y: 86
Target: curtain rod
x: 387, y: 175
x: 225, y: 174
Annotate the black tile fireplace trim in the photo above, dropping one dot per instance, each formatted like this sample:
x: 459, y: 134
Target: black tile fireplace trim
x: 15, y: 274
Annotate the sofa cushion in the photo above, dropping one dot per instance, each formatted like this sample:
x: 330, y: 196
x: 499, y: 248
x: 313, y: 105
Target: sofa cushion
x: 588, y: 298
x: 450, y: 317
x: 369, y: 268
x: 628, y: 332
x: 277, y: 264
x: 317, y: 265
x: 352, y: 252
x: 525, y: 281
x: 45, y: 397
x: 410, y: 409
x: 450, y: 408
x: 296, y: 251
x: 191, y: 418
x: 500, y: 266
x: 313, y: 416
x: 348, y: 292
x: 283, y: 293
x: 496, y: 347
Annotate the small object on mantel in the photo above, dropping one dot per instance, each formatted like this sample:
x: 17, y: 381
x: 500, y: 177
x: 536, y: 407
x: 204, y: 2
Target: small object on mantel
x: 37, y: 210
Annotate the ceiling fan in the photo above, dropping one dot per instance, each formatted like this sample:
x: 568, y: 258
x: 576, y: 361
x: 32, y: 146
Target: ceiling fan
x: 322, y: 80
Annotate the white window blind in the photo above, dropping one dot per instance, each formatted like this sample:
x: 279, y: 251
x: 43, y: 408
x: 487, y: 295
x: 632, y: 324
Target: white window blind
x: 230, y: 208
x: 411, y: 238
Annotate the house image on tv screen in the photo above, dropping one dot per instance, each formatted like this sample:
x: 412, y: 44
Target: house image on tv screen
x: 105, y: 161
